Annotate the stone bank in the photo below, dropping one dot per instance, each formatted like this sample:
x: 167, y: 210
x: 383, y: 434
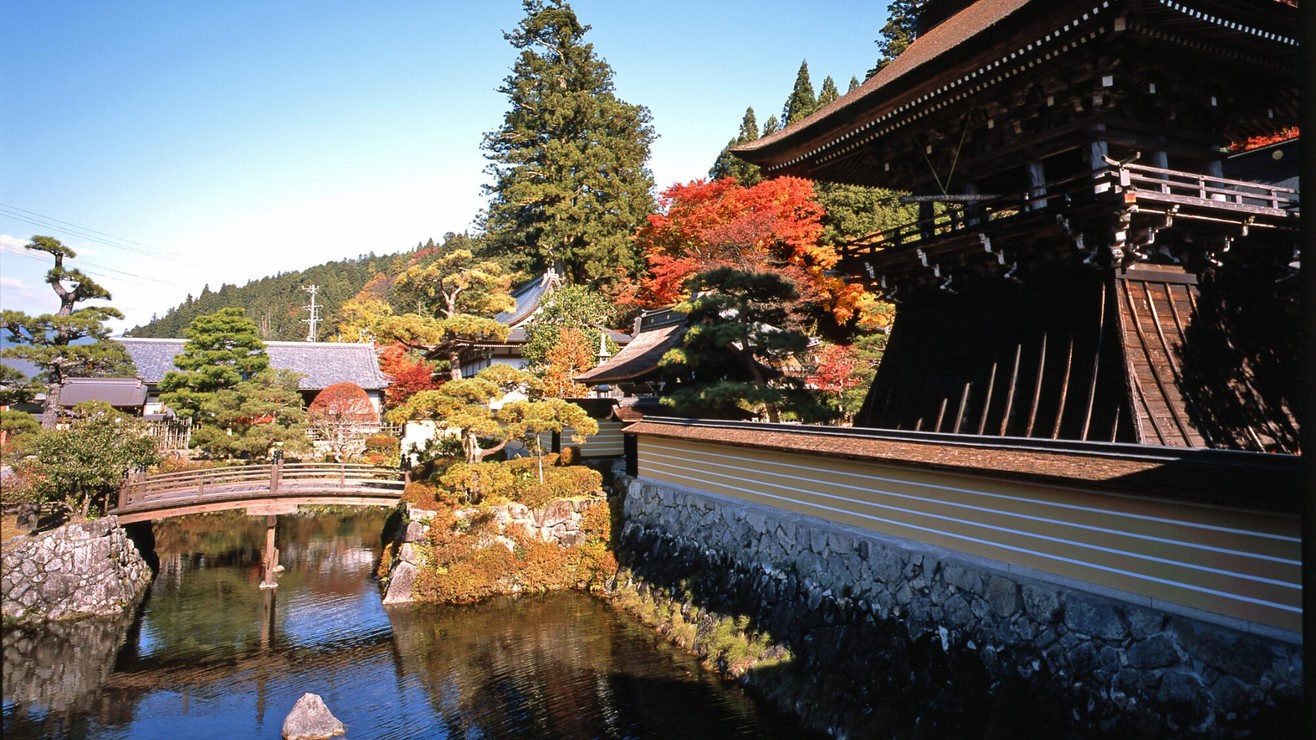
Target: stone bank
x: 888, y: 634
x: 87, y: 569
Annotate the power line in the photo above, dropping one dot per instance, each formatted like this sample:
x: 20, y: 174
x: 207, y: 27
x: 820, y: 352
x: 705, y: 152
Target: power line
x: 95, y: 270
x: 89, y: 234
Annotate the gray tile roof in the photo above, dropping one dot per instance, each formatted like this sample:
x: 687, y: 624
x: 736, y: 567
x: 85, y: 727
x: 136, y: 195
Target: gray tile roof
x: 323, y: 363
x: 118, y: 392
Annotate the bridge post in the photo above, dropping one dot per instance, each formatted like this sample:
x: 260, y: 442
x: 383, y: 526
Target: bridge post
x: 276, y: 472
x: 270, y: 556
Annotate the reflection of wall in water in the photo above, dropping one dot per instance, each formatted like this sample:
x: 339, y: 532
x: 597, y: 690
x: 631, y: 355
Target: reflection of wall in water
x: 61, y: 666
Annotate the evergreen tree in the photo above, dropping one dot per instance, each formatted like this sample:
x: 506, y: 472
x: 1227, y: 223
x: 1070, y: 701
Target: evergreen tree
x: 854, y: 84
x: 253, y: 417
x: 222, y: 350
x: 729, y: 165
x: 771, y: 126
x: 569, y: 163
x: 54, y: 343
x: 828, y: 94
x: 802, y: 100
x: 898, y: 33
x: 739, y: 330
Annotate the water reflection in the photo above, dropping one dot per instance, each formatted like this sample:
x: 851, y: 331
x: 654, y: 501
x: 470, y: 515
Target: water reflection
x: 212, y: 654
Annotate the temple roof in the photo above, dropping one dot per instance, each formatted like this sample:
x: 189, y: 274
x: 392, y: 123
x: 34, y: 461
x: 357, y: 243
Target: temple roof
x: 322, y: 363
x: 662, y: 332
x: 976, y: 63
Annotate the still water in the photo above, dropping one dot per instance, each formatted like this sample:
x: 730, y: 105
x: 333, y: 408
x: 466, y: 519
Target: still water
x: 210, y: 655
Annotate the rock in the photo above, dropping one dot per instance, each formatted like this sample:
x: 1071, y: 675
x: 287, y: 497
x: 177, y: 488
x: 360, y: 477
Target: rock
x: 1003, y: 596
x: 1094, y: 618
x: 310, y: 719
x: 1041, y: 603
x: 1156, y: 651
x: 400, y: 584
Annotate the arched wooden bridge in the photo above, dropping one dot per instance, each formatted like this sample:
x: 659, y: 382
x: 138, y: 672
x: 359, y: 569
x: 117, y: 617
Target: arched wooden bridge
x: 277, y: 488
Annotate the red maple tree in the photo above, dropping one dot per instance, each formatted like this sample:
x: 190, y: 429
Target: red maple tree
x: 772, y: 226
x: 409, y: 374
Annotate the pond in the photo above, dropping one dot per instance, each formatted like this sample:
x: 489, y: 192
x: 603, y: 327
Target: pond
x: 211, y: 655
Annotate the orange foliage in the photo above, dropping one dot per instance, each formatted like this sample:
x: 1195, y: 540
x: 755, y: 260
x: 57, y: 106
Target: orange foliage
x: 1256, y: 142
x: 774, y: 225
x: 344, y: 403
x: 409, y: 375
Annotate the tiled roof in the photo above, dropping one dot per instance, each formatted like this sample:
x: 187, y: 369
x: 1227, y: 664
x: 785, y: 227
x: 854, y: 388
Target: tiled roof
x: 322, y: 363
x: 118, y: 392
x: 638, y: 357
x: 528, y: 297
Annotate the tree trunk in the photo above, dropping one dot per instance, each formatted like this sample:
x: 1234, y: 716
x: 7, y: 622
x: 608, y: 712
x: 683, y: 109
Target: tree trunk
x: 50, y: 408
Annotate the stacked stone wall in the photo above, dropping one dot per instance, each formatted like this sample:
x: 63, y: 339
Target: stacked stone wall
x: 888, y: 635
x: 88, y: 569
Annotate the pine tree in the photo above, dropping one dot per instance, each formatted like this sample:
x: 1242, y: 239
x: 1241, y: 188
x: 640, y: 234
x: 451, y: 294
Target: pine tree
x: 898, y: 33
x: 828, y: 94
x: 569, y: 162
x: 771, y: 126
x: 53, y: 341
x: 222, y: 350
x: 802, y: 100
x: 729, y: 165
x: 854, y: 85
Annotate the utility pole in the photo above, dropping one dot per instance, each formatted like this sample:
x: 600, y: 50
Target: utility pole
x: 314, y: 321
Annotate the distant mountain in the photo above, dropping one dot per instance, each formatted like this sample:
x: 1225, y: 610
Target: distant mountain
x: 278, y: 303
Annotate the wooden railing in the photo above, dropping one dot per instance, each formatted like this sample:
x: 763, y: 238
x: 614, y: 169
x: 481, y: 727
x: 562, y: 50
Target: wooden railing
x: 257, y: 481
x: 1188, y: 188
x: 1171, y: 186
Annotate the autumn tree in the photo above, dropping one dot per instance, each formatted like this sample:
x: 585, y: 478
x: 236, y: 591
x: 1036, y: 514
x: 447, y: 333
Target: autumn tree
x: 570, y: 356
x: 339, y: 418
x: 253, y: 417
x: 222, y: 350
x: 729, y: 165
x: 842, y: 373
x: 56, y: 343
x: 775, y: 225
x: 451, y: 301
x: 569, y: 162
x: 408, y: 373
x: 358, y: 319
x: 739, y: 335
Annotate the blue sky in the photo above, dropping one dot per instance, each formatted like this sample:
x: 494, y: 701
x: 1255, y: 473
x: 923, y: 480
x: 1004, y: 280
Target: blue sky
x: 175, y: 144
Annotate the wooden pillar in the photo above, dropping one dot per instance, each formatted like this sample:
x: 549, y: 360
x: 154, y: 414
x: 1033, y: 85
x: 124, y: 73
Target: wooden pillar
x: 270, y: 556
x: 972, y: 211
x: 1159, y: 160
x: 926, y: 214
x: 1216, y: 168
x: 1036, y: 185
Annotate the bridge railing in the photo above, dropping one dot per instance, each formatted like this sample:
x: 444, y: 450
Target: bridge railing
x: 275, y: 479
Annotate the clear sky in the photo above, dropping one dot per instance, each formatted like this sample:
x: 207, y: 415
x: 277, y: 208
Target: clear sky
x: 178, y: 144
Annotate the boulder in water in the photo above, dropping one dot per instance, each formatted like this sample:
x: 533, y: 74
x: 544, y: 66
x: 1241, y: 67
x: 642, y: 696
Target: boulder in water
x: 310, y: 719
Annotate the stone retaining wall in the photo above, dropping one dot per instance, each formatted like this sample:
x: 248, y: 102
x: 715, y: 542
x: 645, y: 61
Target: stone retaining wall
x: 78, y: 570
x: 888, y: 635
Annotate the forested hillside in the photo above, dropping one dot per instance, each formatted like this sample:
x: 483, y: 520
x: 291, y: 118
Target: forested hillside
x: 278, y: 303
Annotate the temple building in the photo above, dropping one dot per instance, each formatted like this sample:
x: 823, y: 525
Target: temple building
x: 1106, y: 251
